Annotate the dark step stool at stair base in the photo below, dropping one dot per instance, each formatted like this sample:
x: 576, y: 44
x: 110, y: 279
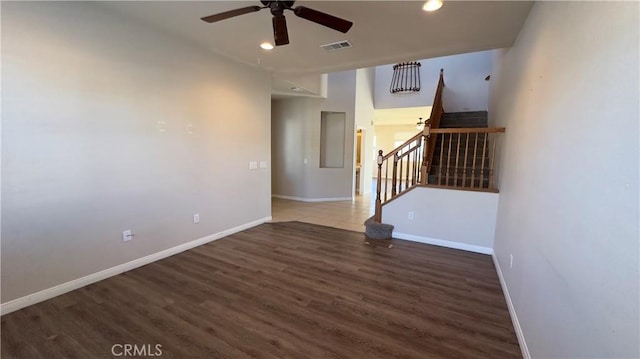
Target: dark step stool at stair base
x: 377, y: 231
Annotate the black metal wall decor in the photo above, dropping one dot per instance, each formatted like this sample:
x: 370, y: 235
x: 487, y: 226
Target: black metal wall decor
x: 406, y: 78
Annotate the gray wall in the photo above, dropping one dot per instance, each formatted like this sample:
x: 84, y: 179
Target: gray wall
x: 296, y: 137
x: 465, y: 87
x: 332, y: 139
x: 109, y: 125
x: 464, y: 219
x: 567, y: 91
x: 364, y: 112
x: 290, y: 122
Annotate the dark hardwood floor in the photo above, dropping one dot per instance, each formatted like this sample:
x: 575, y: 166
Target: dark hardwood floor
x: 280, y: 290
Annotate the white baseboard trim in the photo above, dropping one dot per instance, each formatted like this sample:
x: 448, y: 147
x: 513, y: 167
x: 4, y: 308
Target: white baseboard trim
x: 512, y: 311
x: 19, y: 303
x: 443, y: 243
x: 305, y: 199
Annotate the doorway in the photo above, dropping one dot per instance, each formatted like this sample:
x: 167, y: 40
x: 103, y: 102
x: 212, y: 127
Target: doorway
x: 359, y: 161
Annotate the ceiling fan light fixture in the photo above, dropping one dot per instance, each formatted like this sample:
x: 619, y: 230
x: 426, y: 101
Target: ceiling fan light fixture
x: 266, y: 46
x: 432, y: 5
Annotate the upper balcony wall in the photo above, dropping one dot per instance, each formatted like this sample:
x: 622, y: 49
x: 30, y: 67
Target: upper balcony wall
x: 464, y: 77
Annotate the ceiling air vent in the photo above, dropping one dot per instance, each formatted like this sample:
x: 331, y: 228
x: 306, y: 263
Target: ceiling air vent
x: 336, y: 45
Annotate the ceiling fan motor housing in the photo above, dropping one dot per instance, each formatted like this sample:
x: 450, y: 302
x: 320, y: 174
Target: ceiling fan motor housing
x: 277, y: 8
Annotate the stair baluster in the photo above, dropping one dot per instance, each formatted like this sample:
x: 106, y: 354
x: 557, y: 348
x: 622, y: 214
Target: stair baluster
x: 466, y: 167
x: 378, y: 210
x: 484, y: 151
x: 473, y: 170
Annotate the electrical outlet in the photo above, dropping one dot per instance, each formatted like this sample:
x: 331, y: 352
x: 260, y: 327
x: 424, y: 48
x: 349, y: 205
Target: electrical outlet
x: 263, y: 164
x: 253, y: 165
x: 411, y: 216
x: 127, y: 235
x: 196, y: 218
x: 510, y: 260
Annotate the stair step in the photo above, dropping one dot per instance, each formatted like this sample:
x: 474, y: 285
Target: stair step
x: 454, y: 144
x: 479, y: 171
x: 454, y: 149
x: 469, y: 164
x: 458, y: 145
x: 466, y: 114
x: 454, y: 153
x: 477, y: 182
x: 464, y: 119
x: 445, y: 154
x: 463, y: 125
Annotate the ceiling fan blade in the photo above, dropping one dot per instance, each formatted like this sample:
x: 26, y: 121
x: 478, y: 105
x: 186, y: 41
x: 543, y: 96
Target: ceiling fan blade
x: 321, y: 18
x: 280, y: 34
x: 231, y: 13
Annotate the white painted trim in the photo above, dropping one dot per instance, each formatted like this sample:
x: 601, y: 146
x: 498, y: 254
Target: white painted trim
x: 305, y: 199
x: 443, y: 243
x: 19, y: 303
x: 512, y: 311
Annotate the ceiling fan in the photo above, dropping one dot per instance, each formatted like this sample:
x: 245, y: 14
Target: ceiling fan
x: 277, y: 8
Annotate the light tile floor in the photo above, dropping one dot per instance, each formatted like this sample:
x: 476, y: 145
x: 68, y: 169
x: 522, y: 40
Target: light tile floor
x: 339, y: 214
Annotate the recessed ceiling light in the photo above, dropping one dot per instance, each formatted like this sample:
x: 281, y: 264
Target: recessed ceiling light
x: 266, y: 46
x: 432, y: 5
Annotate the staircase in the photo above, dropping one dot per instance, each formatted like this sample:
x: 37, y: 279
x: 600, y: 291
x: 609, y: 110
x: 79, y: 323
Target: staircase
x: 454, y: 151
x: 450, y: 166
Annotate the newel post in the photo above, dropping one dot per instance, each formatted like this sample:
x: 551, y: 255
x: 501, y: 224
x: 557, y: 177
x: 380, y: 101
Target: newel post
x: 378, y: 213
x: 426, y: 135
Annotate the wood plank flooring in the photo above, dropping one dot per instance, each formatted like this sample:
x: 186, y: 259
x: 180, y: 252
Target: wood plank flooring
x: 280, y: 290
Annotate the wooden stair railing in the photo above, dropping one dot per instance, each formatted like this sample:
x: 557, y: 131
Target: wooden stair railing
x: 405, y: 171
x: 411, y: 160
x: 465, y: 160
x: 433, y: 123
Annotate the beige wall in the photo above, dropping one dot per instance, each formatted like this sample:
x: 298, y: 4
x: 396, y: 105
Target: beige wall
x: 296, y: 143
x: 290, y: 119
x: 386, y: 137
x: 364, y: 118
x: 567, y: 92
x: 109, y: 125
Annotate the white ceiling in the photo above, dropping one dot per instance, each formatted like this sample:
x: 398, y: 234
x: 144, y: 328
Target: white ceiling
x: 384, y: 32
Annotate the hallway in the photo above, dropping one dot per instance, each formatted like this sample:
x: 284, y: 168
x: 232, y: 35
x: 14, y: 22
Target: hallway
x: 348, y: 215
